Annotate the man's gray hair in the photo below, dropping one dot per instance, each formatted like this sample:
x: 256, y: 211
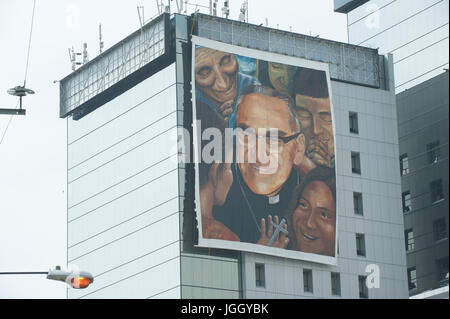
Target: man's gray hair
x: 267, y: 91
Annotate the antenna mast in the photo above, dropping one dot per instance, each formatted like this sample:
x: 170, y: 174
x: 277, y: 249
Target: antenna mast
x: 226, y: 9
x: 243, y: 16
x: 101, y: 43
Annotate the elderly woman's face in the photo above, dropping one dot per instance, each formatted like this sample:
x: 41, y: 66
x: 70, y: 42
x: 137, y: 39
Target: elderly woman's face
x: 314, y: 220
x: 216, y: 74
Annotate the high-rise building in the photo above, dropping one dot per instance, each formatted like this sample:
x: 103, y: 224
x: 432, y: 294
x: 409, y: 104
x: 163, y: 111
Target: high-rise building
x: 423, y: 141
x: 416, y: 34
x: 133, y: 207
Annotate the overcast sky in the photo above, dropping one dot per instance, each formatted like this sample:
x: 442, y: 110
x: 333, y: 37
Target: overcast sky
x: 33, y: 230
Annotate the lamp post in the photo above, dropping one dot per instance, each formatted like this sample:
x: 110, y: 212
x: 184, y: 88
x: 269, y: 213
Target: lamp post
x: 76, y: 279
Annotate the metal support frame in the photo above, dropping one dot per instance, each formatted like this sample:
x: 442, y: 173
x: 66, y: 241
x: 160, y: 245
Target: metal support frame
x: 348, y: 63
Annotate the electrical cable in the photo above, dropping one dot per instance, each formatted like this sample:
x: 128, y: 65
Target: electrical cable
x: 26, y: 70
x: 29, y: 44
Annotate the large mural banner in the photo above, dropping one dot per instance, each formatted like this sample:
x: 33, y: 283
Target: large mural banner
x: 264, y: 150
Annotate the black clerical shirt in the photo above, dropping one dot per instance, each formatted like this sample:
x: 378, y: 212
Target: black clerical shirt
x: 244, y: 221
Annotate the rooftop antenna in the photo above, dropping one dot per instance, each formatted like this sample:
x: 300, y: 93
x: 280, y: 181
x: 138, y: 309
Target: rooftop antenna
x: 214, y: 8
x: 243, y: 16
x: 159, y: 6
x: 266, y: 22
x: 73, y: 58
x: 141, y: 19
x: 226, y: 9
x: 101, y: 43
x: 85, y: 53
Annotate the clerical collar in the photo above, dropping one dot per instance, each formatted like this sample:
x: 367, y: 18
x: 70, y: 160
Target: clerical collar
x: 274, y: 199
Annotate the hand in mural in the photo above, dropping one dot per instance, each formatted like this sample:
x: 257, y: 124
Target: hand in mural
x: 216, y: 230
x: 281, y: 240
x: 317, y: 150
x: 222, y: 177
x: 226, y: 109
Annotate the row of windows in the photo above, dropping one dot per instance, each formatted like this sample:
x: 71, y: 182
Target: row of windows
x: 308, y: 285
x: 433, y: 152
x: 441, y: 273
x: 439, y: 233
x: 436, y: 195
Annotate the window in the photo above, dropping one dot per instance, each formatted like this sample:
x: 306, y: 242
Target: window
x: 436, y: 191
x: 434, y: 152
x: 412, y: 278
x: 307, y: 280
x: 360, y: 245
x: 335, y: 284
x: 356, y: 164
x: 406, y: 201
x: 409, y: 239
x: 442, y: 269
x: 439, y: 229
x: 353, y: 119
x: 357, y: 204
x: 363, y: 291
x: 260, y: 275
x: 404, y: 165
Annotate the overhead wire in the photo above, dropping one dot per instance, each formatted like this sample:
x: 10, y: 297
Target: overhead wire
x: 29, y: 44
x: 26, y: 70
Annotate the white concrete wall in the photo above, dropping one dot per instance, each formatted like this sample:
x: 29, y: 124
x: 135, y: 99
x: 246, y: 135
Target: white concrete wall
x: 123, y: 207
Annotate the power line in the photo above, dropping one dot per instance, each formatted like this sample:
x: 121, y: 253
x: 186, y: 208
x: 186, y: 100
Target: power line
x: 29, y: 43
x: 26, y: 70
x: 7, y: 125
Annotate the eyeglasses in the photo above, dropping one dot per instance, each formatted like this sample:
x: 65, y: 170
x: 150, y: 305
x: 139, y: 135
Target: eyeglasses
x: 277, y: 141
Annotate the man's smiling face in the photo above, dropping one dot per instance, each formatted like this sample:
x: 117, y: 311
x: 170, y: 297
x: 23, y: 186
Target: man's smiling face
x: 258, y: 111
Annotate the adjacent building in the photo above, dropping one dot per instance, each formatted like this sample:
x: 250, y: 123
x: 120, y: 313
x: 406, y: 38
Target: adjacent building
x: 416, y: 34
x: 131, y: 204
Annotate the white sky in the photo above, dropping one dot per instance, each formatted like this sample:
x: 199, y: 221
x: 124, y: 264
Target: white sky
x: 33, y: 230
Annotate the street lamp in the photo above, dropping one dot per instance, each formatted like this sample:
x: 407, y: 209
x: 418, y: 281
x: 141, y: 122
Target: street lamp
x: 76, y: 279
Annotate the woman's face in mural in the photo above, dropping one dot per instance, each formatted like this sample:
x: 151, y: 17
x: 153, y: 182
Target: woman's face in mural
x: 314, y: 220
x: 315, y: 119
x: 281, y: 76
x: 216, y: 74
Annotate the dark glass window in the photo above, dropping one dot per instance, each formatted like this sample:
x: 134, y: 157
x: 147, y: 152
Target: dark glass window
x: 412, y: 278
x: 357, y: 203
x: 335, y: 284
x: 409, y: 239
x: 360, y: 245
x: 356, y: 163
x: 439, y: 229
x: 260, y: 275
x: 436, y: 190
x: 353, y: 121
x: 434, y: 152
x: 307, y: 280
x: 404, y: 165
x: 406, y: 201
x: 363, y: 290
x: 442, y: 270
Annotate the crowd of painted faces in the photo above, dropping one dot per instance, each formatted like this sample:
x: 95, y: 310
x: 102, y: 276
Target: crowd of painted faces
x: 240, y: 201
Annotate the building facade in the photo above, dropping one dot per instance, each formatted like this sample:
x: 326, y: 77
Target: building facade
x: 423, y: 141
x: 416, y: 33
x: 131, y: 206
